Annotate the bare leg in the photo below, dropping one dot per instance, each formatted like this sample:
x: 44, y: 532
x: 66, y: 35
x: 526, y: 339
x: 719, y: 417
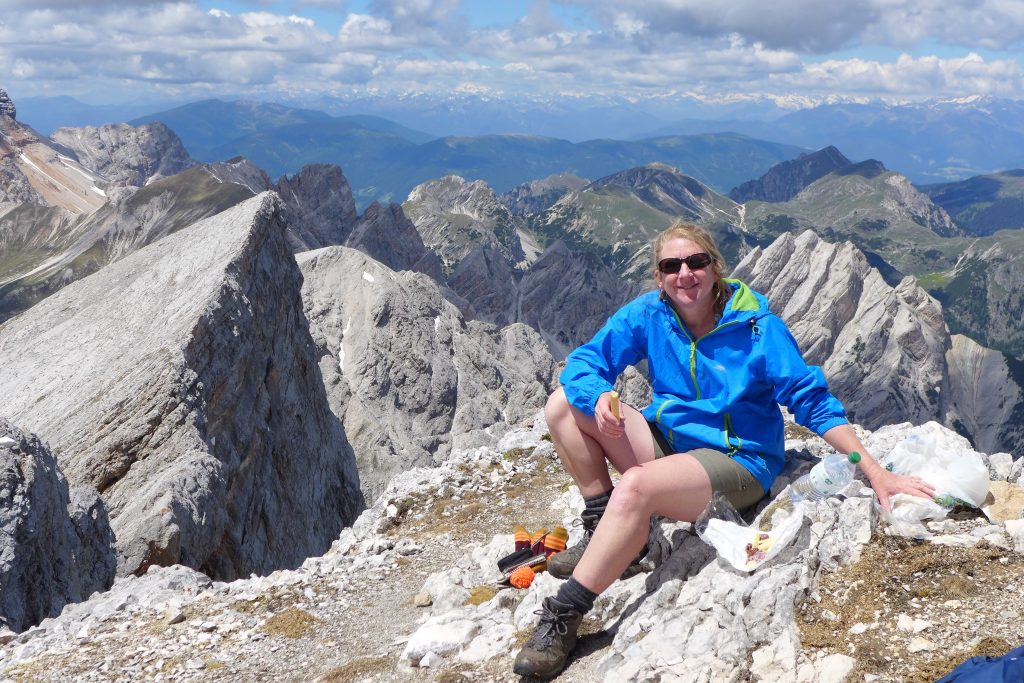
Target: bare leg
x: 585, y: 452
x: 675, y: 486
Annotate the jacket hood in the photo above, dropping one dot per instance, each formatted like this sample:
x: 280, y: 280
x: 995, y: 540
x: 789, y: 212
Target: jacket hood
x: 744, y: 303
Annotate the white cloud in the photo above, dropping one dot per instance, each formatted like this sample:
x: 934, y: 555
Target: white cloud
x: 416, y: 13
x: 631, y: 48
x: 822, y: 27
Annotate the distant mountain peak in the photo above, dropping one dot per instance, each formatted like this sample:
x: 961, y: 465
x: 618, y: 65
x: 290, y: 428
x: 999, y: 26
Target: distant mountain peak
x: 784, y: 181
x: 869, y: 168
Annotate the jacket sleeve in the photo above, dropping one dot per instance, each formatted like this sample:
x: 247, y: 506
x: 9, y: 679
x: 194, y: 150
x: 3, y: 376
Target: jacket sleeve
x: 592, y: 368
x: 800, y: 387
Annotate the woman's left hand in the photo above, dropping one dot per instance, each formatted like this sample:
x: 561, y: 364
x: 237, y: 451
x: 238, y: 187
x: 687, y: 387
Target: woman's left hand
x: 887, y: 484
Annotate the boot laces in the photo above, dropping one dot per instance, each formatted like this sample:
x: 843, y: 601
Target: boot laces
x: 551, y: 623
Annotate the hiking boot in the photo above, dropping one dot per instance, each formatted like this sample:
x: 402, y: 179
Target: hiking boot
x: 545, y: 652
x: 561, y: 565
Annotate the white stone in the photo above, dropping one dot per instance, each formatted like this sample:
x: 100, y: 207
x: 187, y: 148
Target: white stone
x: 1015, y: 529
x: 431, y: 659
x: 919, y: 644
x: 443, y: 634
x: 834, y: 668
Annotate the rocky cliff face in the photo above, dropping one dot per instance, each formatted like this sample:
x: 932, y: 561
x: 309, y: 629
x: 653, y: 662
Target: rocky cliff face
x: 784, y: 181
x: 321, y: 210
x: 385, y: 234
x: 455, y: 217
x: 56, y: 546
x: 127, y: 155
x: 567, y: 296
x: 36, y: 170
x: 181, y: 383
x: 408, y: 376
x: 886, y: 351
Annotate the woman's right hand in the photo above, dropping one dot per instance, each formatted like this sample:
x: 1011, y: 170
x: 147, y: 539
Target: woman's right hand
x: 607, y: 423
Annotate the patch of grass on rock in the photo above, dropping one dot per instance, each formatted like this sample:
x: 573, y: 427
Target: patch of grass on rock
x: 291, y: 623
x: 358, y: 669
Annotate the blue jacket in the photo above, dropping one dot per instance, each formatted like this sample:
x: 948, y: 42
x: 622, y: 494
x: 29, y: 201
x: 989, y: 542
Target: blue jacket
x: 721, y: 391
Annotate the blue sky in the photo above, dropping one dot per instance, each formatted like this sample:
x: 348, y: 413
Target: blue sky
x: 791, y: 52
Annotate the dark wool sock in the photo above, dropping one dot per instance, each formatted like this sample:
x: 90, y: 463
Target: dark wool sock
x: 574, y: 593
x: 593, y: 509
x: 598, y: 502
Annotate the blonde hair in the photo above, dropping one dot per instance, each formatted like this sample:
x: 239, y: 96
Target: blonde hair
x: 703, y: 239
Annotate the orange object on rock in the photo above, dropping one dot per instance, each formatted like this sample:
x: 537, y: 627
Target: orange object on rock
x: 554, y: 541
x: 522, y: 577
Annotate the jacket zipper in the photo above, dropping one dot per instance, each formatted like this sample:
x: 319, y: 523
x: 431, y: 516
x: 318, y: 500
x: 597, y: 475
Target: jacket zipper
x: 729, y: 433
x: 693, y: 344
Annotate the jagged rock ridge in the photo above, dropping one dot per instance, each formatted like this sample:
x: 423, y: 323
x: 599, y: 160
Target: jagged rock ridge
x: 56, y: 546
x: 408, y: 376
x: 181, y: 382
x: 886, y: 351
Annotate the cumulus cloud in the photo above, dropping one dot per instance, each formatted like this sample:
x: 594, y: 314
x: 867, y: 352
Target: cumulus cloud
x: 635, y: 48
x: 416, y: 13
x: 821, y: 27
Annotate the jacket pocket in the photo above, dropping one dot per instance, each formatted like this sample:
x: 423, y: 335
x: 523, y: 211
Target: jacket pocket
x: 657, y: 418
x: 733, y: 443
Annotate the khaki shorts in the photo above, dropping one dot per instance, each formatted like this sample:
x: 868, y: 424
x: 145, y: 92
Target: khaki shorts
x: 727, y: 476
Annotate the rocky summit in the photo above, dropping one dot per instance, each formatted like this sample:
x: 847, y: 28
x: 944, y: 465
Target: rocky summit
x: 410, y: 593
x: 181, y: 383
x: 124, y: 154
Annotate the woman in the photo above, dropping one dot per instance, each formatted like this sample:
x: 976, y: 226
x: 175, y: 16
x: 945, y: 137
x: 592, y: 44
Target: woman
x: 720, y: 364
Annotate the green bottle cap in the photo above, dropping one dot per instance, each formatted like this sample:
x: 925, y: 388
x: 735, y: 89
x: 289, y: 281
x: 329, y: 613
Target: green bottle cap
x: 854, y: 457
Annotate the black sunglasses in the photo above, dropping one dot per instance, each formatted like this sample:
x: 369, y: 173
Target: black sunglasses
x: 670, y: 266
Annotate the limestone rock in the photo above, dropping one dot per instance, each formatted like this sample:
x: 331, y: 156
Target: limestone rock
x: 987, y: 397
x: 49, y: 248
x: 125, y: 154
x: 243, y: 172
x: 406, y: 373
x: 181, y: 383
x: 38, y: 171
x: 455, y: 217
x: 56, y: 546
x: 567, y: 296
x: 321, y: 210
x: 386, y: 235
x: 485, y: 278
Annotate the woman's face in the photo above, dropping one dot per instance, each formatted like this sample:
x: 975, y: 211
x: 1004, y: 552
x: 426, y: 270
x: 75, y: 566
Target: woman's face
x: 689, y: 290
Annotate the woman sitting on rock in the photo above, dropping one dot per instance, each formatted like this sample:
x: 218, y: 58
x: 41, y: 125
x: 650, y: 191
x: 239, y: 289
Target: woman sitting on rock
x: 720, y: 364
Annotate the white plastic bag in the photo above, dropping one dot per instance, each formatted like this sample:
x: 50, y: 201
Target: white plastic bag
x: 959, y: 476
x: 746, y: 547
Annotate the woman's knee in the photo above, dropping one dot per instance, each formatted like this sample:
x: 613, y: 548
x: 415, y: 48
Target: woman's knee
x: 556, y: 410
x: 631, y: 494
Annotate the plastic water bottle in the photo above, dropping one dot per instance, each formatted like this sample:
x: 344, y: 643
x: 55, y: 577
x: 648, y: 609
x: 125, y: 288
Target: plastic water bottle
x: 827, y: 478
